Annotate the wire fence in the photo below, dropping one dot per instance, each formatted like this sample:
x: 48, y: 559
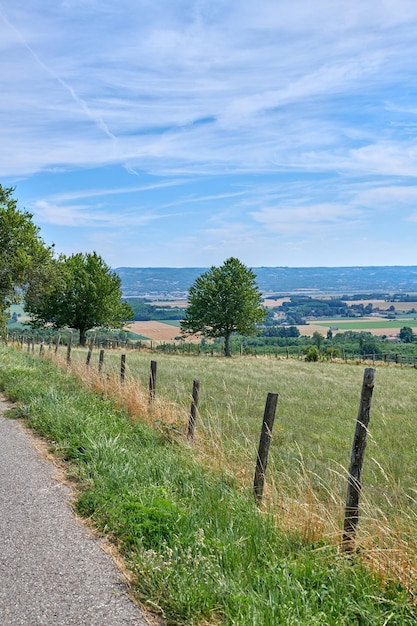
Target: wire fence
x: 288, y: 461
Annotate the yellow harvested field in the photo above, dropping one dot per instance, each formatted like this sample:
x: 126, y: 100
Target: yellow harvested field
x: 155, y: 330
x: 158, y: 331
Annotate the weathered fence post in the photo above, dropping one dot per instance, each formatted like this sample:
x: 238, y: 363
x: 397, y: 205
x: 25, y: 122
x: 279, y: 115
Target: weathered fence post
x: 194, y: 409
x: 101, y: 360
x: 152, y: 381
x: 356, y: 462
x: 58, y: 339
x: 41, y: 349
x: 264, y: 442
x: 90, y: 350
x: 122, y: 368
x: 69, y: 346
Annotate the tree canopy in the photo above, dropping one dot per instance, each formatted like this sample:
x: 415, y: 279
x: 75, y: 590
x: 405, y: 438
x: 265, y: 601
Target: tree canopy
x: 222, y: 301
x: 24, y: 257
x: 406, y: 334
x: 84, y: 293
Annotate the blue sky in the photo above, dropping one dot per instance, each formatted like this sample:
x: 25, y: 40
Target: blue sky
x: 182, y: 132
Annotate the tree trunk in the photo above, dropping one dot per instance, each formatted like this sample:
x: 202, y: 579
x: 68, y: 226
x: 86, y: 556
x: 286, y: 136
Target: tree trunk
x: 227, y: 345
x: 83, y: 337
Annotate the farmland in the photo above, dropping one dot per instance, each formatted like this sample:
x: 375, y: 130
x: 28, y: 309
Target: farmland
x: 167, y: 331
x: 157, y: 331
x: 375, y: 326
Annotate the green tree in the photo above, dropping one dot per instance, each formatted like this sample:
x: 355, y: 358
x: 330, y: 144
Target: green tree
x: 317, y: 339
x: 222, y: 301
x: 406, y: 334
x: 84, y: 294
x: 24, y: 258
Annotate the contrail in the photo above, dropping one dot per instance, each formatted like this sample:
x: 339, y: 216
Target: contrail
x: 79, y: 101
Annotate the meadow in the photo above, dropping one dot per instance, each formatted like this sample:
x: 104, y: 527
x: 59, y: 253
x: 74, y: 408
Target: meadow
x: 312, y: 439
x: 280, y: 566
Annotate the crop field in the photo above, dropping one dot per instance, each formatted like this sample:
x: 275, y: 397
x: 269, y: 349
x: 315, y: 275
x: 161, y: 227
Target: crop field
x: 157, y: 331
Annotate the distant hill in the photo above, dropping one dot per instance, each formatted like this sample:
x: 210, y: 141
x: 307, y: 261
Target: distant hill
x: 169, y: 282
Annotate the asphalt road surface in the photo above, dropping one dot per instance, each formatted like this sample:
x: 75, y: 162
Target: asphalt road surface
x: 52, y: 570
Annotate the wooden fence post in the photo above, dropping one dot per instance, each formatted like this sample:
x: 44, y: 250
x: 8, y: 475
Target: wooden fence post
x: 152, y: 381
x: 58, y: 339
x: 69, y: 346
x: 122, y: 368
x: 90, y: 350
x: 356, y: 462
x: 101, y: 360
x: 194, y: 409
x: 264, y: 442
x: 41, y: 349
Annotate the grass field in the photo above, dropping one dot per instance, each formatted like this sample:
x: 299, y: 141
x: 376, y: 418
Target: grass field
x: 311, y: 446
x: 183, y: 516
x: 367, y: 324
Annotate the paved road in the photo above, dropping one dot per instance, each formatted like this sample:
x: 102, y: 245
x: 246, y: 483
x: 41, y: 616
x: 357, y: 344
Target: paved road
x: 52, y: 571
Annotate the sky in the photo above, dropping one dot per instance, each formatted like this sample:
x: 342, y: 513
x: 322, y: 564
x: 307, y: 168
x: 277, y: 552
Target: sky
x: 179, y: 133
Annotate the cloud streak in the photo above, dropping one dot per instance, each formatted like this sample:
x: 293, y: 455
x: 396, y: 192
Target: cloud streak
x: 270, y: 121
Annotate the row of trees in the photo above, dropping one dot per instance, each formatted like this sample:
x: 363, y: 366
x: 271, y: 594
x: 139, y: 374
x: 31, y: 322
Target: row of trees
x: 81, y: 292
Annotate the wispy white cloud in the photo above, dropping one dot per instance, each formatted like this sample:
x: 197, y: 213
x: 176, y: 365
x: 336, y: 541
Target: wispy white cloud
x: 87, y: 215
x: 204, y: 102
x: 96, y: 193
x: 301, y: 219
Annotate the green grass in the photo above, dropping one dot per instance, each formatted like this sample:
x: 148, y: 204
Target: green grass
x: 317, y: 405
x: 176, y: 323
x: 192, y: 536
x: 312, y: 439
x: 367, y: 325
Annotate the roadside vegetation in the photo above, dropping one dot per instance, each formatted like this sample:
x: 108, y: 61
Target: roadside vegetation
x: 184, y: 518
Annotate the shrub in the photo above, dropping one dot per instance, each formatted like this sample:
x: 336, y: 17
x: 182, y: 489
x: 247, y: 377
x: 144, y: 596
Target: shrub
x: 312, y: 353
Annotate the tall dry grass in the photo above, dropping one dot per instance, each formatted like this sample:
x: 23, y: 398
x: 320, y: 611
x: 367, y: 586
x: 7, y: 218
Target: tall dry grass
x: 308, y: 500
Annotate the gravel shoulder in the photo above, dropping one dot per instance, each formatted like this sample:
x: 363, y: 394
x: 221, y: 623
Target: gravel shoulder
x: 53, y: 571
